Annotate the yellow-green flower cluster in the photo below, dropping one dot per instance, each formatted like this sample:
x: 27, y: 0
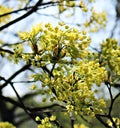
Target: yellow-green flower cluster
x: 18, y: 50
x: 6, y: 125
x: 83, y: 6
x: 52, y: 44
x: 4, y: 10
x: 46, y: 122
x: 66, y: 4
x: 33, y: 87
x: 73, y: 85
x: 91, y: 72
x: 97, y: 21
x: 30, y: 35
x: 110, y: 55
x: 73, y: 74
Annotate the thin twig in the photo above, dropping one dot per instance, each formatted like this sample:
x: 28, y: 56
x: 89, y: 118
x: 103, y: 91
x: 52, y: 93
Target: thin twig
x: 102, y: 121
x: 27, y: 8
x: 6, y: 50
x: 111, y: 104
x: 14, y: 75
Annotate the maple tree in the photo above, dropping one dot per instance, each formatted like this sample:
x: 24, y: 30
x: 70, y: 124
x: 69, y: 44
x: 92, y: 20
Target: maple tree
x: 62, y: 69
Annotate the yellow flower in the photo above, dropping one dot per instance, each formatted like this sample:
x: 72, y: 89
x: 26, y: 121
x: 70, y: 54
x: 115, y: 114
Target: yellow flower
x: 52, y: 118
x: 69, y: 107
x: 37, y: 118
x: 6, y: 125
x: 33, y: 87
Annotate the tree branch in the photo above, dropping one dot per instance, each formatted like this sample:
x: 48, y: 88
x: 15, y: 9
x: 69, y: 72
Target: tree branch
x: 23, y: 16
x: 6, y: 50
x: 14, y: 75
x: 98, y: 116
x: 27, y: 8
x: 13, y: 102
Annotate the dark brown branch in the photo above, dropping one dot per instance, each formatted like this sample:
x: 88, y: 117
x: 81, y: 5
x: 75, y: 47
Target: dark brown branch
x: 23, y: 16
x: 111, y: 97
x: 27, y: 8
x: 16, y: 11
x: 111, y: 105
x: 108, y: 116
x: 19, y: 98
x: 6, y: 50
x: 118, y: 8
x: 14, y: 75
x: 47, y: 70
x: 33, y: 9
x: 101, y: 120
x: 72, y: 120
x: 116, y: 96
x: 21, y: 102
x: 44, y: 109
x: 23, y: 81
